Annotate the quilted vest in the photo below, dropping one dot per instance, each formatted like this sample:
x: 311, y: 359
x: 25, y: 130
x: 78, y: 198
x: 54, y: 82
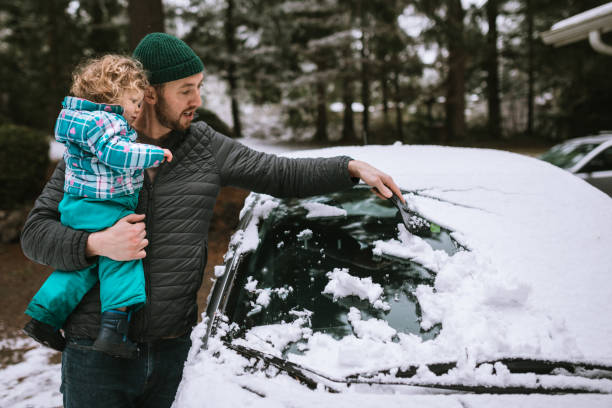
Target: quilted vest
x: 179, y: 205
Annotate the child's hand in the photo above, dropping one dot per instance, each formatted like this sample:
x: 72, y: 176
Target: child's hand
x: 167, y: 155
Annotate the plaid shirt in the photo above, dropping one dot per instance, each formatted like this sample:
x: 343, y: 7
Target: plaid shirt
x: 102, y: 160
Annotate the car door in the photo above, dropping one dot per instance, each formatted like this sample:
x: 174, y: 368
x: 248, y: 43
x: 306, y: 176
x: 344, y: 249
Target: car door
x: 598, y: 171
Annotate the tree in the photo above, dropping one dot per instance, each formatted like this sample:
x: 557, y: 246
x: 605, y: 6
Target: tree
x: 104, y: 33
x: 447, y: 31
x: 146, y: 16
x: 230, y: 40
x: 365, y: 68
x: 492, y: 67
x: 41, y: 44
x: 455, y: 88
x: 530, y: 67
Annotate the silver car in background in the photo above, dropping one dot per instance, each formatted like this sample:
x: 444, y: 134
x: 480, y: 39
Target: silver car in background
x: 589, y: 158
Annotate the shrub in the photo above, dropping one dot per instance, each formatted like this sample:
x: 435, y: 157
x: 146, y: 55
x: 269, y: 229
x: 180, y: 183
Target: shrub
x: 24, y: 161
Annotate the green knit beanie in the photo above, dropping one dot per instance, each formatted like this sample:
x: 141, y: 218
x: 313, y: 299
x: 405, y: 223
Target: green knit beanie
x: 166, y: 58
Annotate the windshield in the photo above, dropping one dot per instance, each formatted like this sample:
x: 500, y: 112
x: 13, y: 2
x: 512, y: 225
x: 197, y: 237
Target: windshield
x: 568, y: 154
x: 309, y: 244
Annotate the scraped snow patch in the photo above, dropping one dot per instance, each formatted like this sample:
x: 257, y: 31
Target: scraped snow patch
x: 264, y: 295
x: 412, y: 247
x: 372, y: 328
x: 219, y: 270
x: 248, y: 238
x: 304, y: 234
x: 274, y: 338
x: 319, y: 210
x: 342, y: 284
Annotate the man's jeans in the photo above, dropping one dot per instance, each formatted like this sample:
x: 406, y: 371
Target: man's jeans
x: 94, y: 379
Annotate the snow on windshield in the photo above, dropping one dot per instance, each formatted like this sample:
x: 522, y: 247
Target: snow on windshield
x: 412, y: 247
x: 342, y: 284
x: 535, y: 281
x: 316, y: 210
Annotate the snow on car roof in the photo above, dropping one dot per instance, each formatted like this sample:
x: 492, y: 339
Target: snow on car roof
x: 535, y: 283
x: 602, y: 137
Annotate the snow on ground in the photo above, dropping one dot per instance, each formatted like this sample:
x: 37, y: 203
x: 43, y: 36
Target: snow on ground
x: 32, y: 382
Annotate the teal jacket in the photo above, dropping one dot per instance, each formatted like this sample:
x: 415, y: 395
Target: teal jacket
x: 102, y: 159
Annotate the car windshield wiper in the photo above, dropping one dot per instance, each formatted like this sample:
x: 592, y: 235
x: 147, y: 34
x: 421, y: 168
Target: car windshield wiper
x: 514, y: 365
x: 313, y: 378
x: 294, y: 370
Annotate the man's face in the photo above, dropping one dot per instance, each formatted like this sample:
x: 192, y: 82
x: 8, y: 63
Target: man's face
x: 177, y: 102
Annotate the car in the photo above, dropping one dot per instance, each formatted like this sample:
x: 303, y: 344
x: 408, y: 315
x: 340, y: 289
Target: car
x: 493, y: 289
x: 589, y: 158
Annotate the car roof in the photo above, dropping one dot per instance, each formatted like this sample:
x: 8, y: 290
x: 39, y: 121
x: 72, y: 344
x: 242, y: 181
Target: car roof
x: 599, y: 138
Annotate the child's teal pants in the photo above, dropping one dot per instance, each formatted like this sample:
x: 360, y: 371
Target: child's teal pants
x: 121, y: 283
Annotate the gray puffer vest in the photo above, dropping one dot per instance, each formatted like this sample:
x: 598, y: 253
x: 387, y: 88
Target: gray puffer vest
x: 178, y: 205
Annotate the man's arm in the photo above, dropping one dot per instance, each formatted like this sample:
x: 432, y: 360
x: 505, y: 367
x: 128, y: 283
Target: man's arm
x: 45, y: 240
x: 243, y: 167
x: 284, y: 177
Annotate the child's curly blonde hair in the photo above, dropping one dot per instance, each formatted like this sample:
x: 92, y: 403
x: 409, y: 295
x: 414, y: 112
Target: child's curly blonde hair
x: 105, y: 79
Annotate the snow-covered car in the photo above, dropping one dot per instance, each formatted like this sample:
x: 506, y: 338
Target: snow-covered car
x: 495, y: 291
x: 589, y: 158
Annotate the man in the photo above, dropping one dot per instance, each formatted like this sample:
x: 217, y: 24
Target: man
x: 169, y: 231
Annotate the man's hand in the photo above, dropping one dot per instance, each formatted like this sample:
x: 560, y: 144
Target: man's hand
x: 382, y: 184
x: 124, y: 241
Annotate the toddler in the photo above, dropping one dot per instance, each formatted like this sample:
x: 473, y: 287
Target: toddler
x: 104, y: 174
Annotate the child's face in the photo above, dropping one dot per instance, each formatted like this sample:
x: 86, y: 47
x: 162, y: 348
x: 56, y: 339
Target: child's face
x: 131, y: 102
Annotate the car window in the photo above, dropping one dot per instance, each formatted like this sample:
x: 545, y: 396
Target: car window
x: 568, y: 154
x: 305, y: 244
x: 601, y: 162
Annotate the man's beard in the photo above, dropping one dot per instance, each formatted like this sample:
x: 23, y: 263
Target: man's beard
x: 161, y: 110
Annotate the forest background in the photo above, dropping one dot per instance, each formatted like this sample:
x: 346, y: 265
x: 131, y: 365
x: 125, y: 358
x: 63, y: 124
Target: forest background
x: 333, y: 71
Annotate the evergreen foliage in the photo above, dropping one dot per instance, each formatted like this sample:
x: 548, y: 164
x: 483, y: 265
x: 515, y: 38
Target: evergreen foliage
x: 314, y: 55
x: 41, y: 44
x: 24, y: 161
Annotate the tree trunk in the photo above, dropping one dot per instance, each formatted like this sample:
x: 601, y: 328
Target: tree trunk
x: 348, y: 119
x: 399, y: 125
x: 365, y: 79
x: 455, y: 91
x: 321, y: 132
x: 55, y: 14
x: 230, y: 38
x: 530, y: 69
x: 493, y: 72
x: 146, y: 16
x: 104, y: 37
x: 385, y: 97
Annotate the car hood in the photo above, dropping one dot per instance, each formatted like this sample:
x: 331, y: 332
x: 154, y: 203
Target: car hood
x: 535, y: 283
